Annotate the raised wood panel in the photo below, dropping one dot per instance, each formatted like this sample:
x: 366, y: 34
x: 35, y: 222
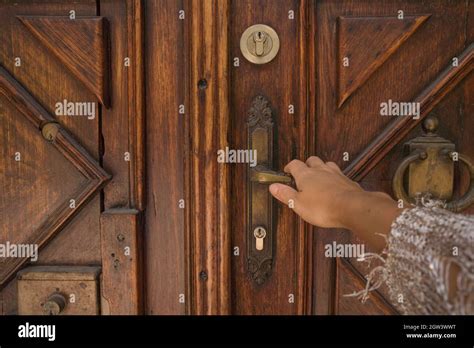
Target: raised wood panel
x: 429, y: 97
x: 364, y: 57
x: 49, y: 81
x: 80, y: 44
x: 26, y: 106
x: 410, y: 69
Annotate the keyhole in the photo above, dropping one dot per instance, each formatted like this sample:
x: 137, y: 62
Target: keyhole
x: 259, y: 232
x: 259, y: 38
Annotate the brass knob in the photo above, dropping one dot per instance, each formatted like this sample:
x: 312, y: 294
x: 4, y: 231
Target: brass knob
x: 54, y: 305
x: 430, y: 125
x: 50, y: 130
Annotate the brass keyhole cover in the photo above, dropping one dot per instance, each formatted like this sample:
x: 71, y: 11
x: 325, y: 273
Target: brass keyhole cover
x: 259, y: 44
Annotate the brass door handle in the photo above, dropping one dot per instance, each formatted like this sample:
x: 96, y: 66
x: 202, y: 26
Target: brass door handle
x: 430, y: 166
x: 260, y: 204
x: 262, y: 175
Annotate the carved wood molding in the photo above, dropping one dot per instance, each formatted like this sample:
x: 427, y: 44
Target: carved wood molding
x: 136, y: 101
x: 80, y: 44
x: 72, y: 151
x: 444, y: 83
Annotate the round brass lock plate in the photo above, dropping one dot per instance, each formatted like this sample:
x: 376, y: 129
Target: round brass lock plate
x: 259, y: 44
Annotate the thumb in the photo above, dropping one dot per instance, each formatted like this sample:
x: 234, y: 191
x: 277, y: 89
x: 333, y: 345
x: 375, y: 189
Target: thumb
x: 283, y: 193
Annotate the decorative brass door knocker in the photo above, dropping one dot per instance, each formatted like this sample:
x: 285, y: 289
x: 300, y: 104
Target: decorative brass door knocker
x: 429, y: 168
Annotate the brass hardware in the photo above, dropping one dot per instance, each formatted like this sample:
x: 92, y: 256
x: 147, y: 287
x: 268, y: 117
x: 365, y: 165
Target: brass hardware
x: 49, y: 290
x: 260, y: 205
x: 259, y: 44
x: 50, y: 130
x: 54, y: 305
x: 260, y: 233
x: 430, y: 169
x: 265, y: 176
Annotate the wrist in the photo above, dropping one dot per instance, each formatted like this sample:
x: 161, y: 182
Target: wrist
x: 346, y: 206
x: 360, y: 205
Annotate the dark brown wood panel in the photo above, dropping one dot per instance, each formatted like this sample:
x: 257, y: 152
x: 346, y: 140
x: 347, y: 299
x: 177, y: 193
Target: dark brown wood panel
x: 166, y: 143
x: 289, y: 280
x: 418, y: 69
x: 49, y: 81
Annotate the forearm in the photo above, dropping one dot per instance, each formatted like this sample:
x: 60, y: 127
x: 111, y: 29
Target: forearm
x: 368, y: 214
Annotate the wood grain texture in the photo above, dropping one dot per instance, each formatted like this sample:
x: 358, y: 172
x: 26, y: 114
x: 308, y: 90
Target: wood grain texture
x: 385, y: 35
x: 44, y: 169
x: 209, y: 191
x: 430, y: 96
x: 80, y: 44
x: 166, y: 139
x: 136, y: 101
x: 72, y: 151
x: 283, y: 81
x: 419, y: 70
x: 349, y: 280
x: 36, y: 284
x: 123, y: 124
x: 122, y: 282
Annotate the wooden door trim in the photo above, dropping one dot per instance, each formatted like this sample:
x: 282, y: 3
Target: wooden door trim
x: 208, y: 184
x: 123, y: 129
x: 136, y: 101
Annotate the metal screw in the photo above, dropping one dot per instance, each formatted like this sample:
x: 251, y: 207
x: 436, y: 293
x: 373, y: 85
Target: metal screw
x: 120, y: 237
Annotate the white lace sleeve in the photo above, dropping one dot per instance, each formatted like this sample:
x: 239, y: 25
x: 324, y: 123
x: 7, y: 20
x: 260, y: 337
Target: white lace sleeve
x: 427, y: 249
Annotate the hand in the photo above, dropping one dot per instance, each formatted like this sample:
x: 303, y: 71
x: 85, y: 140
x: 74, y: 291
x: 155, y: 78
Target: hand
x: 322, y: 191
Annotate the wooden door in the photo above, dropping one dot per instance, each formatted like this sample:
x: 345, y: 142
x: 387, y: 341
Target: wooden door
x: 401, y: 51
x: 134, y: 202
x: 70, y: 115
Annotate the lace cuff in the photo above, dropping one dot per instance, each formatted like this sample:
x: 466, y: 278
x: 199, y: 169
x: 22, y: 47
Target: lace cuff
x: 426, y: 249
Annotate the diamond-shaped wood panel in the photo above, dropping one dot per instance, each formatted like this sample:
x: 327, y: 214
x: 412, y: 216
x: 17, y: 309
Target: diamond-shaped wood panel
x: 78, y: 176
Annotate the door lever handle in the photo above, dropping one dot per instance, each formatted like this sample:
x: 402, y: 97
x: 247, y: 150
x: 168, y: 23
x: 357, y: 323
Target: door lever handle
x: 263, y: 175
x: 261, y: 209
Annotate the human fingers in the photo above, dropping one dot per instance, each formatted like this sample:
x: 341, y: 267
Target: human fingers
x: 314, y: 161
